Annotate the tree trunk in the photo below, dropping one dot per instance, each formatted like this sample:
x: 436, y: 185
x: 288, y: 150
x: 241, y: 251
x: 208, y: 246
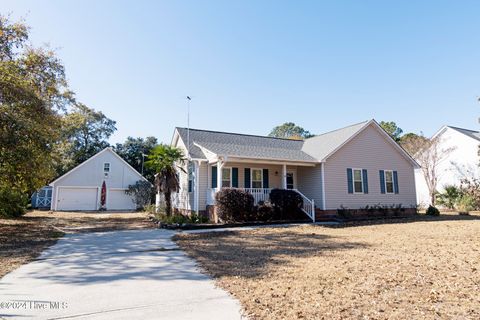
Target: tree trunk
x: 168, y: 203
x: 433, y: 198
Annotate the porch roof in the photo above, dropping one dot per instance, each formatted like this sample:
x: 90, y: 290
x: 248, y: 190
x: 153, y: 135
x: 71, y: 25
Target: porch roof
x: 244, y: 146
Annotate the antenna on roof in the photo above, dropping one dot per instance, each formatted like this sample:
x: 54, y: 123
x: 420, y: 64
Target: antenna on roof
x: 189, y: 168
x: 188, y: 126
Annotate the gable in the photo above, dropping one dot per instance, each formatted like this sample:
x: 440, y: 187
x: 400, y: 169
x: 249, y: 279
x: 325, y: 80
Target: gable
x: 475, y: 135
x: 371, y: 146
x: 369, y: 150
x: 179, y: 141
x: 462, y: 160
x: 91, y: 172
x: 323, y: 145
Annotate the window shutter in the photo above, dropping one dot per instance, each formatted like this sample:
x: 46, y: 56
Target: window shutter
x: 234, y: 177
x: 265, y: 179
x: 190, y: 186
x: 382, y: 181
x: 248, y: 183
x: 395, y: 182
x: 350, y: 180
x: 214, y: 177
x: 365, y: 181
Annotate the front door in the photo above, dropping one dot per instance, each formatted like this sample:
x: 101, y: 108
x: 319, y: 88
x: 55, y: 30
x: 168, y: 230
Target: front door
x: 290, y: 180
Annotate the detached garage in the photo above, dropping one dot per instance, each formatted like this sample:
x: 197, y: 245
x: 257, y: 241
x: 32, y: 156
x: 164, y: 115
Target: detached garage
x: 98, y: 183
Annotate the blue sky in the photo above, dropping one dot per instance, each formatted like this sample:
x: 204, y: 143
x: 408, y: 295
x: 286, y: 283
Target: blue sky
x: 251, y: 65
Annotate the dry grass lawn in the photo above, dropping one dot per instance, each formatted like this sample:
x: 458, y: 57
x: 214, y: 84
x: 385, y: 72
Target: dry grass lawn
x: 417, y: 270
x: 23, y: 239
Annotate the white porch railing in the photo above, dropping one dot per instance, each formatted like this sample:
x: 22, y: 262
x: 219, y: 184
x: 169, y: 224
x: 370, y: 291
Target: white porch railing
x: 259, y: 194
x: 263, y: 195
x: 308, y: 205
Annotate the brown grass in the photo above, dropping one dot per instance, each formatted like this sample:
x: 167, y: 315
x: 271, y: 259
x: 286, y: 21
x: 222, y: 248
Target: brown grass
x: 417, y: 270
x: 23, y: 239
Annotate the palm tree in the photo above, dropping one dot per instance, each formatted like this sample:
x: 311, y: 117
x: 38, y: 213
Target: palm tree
x: 165, y: 160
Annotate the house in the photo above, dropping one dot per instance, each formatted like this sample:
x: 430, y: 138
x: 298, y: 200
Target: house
x: 353, y: 167
x: 460, y: 162
x: 80, y: 189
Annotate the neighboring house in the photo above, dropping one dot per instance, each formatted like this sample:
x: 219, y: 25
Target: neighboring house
x: 42, y: 199
x: 80, y: 188
x: 353, y: 167
x: 459, y: 163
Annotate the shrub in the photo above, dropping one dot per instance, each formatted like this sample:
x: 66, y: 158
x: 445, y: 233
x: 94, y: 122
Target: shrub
x: 181, y: 219
x: 471, y: 187
x: 264, y: 212
x: 449, y: 197
x: 234, y: 205
x: 13, y: 204
x: 432, y: 211
x: 466, y: 204
x: 151, y: 208
x: 344, y: 212
x: 142, y: 193
x: 287, y: 204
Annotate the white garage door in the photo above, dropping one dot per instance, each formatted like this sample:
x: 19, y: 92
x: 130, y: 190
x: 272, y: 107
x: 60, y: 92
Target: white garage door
x: 118, y: 200
x: 77, y: 199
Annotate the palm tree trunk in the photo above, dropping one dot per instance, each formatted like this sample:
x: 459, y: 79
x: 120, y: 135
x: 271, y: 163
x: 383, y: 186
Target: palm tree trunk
x: 168, y: 203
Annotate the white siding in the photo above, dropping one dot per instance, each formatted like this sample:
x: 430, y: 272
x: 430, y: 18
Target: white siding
x: 203, y: 186
x: 462, y: 162
x: 368, y: 150
x: 91, y: 174
x: 183, y: 199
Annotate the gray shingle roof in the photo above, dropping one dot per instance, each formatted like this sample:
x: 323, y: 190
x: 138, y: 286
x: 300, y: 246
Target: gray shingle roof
x: 314, y: 149
x: 323, y: 145
x: 471, y: 133
x: 242, y: 145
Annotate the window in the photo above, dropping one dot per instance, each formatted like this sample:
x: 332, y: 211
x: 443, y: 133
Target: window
x: 257, y: 178
x: 389, y: 181
x: 357, y: 181
x: 106, y: 167
x: 226, y: 177
x: 190, y: 177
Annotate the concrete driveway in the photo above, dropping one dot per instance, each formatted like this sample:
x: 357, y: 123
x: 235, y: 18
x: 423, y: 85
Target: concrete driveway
x: 114, y: 275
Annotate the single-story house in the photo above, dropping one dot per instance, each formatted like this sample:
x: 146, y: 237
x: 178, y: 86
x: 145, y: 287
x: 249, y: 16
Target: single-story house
x: 459, y: 149
x: 352, y: 167
x: 80, y: 189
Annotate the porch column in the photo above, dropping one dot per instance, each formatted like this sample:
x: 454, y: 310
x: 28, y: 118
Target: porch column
x: 197, y: 186
x: 219, y: 173
x: 284, y: 176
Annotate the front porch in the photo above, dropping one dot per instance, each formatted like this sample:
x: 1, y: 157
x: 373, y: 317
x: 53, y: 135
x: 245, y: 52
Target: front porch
x: 258, y: 178
x: 262, y: 195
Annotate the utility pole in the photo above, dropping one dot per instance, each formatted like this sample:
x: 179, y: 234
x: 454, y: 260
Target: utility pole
x: 143, y: 160
x: 188, y: 126
x: 189, y: 170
